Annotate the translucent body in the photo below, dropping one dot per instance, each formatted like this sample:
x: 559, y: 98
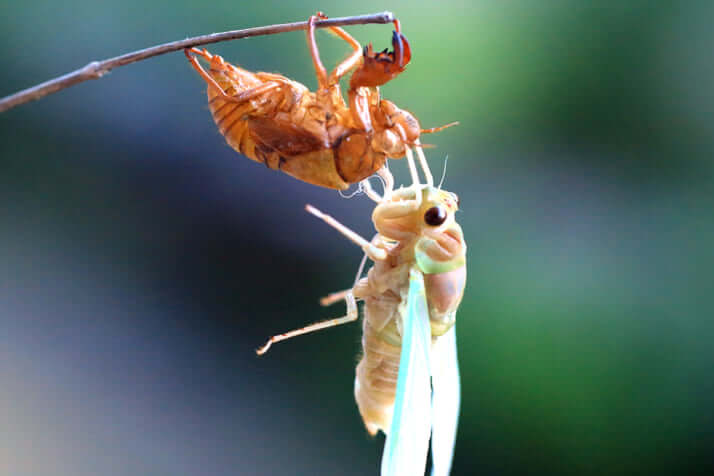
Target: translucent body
x: 439, y: 253
x: 407, y: 380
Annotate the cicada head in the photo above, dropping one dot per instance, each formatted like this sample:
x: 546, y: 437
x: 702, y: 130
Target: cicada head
x: 397, y: 220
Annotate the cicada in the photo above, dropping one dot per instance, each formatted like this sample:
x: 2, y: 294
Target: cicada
x: 410, y: 296
x: 315, y: 136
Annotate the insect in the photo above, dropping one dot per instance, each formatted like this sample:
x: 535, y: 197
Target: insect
x: 315, y: 136
x: 410, y: 296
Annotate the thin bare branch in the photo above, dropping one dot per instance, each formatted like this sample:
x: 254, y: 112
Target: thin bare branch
x: 97, y: 69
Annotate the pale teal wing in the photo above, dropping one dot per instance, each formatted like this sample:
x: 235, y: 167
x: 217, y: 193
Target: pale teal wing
x: 408, y: 440
x: 445, y: 402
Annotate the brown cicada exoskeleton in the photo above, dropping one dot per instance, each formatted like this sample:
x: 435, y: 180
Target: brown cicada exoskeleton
x: 315, y: 136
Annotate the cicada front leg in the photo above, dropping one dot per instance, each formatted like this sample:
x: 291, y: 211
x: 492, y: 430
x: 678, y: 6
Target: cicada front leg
x: 378, y: 68
x: 323, y: 80
x: 320, y: 70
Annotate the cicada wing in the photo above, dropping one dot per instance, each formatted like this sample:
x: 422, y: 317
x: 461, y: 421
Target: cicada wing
x: 407, y: 443
x: 445, y: 402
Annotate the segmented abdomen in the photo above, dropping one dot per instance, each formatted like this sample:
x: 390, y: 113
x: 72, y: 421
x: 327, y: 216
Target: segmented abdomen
x: 376, y: 379
x: 283, y: 127
x: 231, y: 117
x: 384, y: 294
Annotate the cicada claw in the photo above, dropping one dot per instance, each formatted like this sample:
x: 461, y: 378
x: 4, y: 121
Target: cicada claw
x: 402, y: 50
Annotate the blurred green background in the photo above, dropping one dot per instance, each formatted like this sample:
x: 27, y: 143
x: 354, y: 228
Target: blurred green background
x: 143, y: 260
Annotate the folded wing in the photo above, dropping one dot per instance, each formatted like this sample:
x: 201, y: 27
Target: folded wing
x: 407, y: 443
x: 445, y: 402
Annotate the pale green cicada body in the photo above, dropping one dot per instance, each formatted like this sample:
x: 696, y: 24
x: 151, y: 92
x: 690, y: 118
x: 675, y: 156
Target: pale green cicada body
x: 407, y: 380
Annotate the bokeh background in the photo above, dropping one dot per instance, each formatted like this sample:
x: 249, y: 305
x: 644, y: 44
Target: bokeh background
x: 143, y: 261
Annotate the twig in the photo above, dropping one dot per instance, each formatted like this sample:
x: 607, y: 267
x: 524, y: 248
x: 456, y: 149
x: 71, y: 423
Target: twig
x: 97, y: 69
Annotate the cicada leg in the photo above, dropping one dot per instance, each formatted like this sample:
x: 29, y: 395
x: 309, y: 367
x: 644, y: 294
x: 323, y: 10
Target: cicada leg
x: 249, y: 94
x: 412, y: 205
x: 320, y: 70
x: 332, y: 298
x: 361, y: 284
x: 348, y: 64
x: 388, y: 181
x: 341, y: 69
x: 352, y: 315
x: 424, y: 165
x: 337, y: 296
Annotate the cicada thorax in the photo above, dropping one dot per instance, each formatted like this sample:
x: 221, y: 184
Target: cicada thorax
x: 426, y: 237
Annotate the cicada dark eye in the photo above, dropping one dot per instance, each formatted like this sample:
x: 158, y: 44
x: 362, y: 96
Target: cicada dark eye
x: 435, y: 216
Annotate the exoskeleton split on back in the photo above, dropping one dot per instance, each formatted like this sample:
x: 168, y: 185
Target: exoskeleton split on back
x: 316, y: 136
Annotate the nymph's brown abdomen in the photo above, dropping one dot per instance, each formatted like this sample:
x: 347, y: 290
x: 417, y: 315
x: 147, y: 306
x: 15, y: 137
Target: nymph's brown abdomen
x: 264, y: 130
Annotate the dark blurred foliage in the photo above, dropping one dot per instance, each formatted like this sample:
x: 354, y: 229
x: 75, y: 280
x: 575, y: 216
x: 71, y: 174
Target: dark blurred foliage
x: 144, y: 260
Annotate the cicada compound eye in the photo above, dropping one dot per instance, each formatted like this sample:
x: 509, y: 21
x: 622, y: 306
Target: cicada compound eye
x: 435, y: 216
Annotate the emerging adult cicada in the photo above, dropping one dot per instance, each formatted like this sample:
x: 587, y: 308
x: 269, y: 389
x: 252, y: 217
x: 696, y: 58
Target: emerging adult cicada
x: 315, y: 136
x: 410, y: 296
